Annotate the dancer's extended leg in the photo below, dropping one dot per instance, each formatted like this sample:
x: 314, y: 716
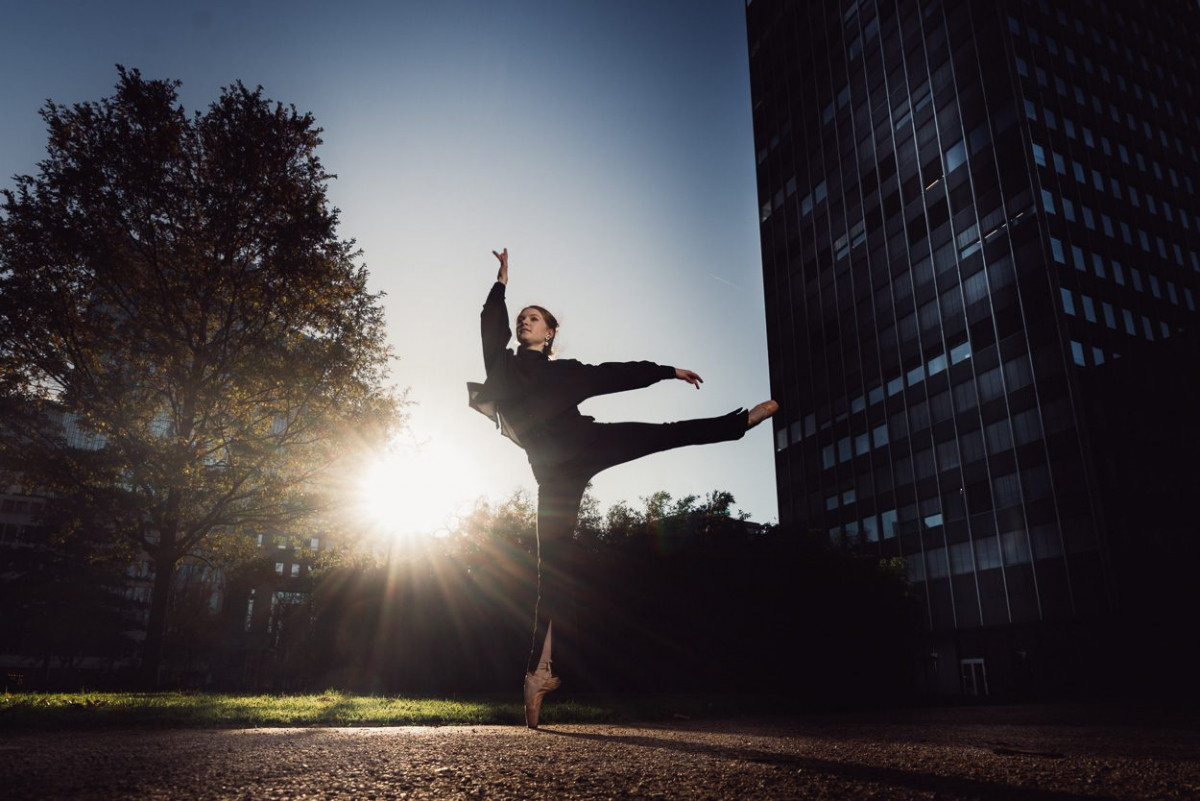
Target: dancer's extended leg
x: 623, y: 442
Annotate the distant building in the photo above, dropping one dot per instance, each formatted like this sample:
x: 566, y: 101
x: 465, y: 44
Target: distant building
x: 67, y: 613
x: 980, y: 220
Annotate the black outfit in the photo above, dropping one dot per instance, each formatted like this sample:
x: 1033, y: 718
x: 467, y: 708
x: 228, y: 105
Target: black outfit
x: 533, y: 400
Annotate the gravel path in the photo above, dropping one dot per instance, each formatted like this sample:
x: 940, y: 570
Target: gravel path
x: 1000, y: 753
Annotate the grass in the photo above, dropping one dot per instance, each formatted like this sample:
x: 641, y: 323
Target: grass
x: 332, y: 708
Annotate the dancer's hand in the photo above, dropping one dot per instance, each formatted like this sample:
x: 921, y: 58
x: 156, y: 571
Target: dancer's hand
x: 688, y: 376
x: 502, y: 276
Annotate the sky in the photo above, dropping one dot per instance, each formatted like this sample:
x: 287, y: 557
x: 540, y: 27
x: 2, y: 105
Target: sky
x: 607, y: 144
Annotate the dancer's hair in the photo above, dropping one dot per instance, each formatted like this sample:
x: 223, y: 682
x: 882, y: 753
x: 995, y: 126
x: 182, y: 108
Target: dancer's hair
x: 551, y: 323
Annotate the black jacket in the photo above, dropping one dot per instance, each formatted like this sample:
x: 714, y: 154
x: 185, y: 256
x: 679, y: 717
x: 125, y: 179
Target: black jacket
x: 533, y: 399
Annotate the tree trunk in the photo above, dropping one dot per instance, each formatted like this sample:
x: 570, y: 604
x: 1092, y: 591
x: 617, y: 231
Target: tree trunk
x: 160, y: 596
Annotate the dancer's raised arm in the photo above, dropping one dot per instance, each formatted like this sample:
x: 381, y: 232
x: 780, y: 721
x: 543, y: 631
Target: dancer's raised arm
x: 493, y: 320
x: 502, y: 276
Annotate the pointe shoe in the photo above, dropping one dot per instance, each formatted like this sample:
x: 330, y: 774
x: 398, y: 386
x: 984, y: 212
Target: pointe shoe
x: 761, y: 412
x: 537, y: 684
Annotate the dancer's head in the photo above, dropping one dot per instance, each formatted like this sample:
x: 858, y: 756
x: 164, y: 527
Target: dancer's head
x: 536, y: 329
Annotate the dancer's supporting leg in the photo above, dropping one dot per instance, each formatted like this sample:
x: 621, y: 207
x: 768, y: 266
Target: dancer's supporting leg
x: 559, y: 497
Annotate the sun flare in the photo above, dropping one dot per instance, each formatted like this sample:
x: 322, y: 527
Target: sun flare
x: 413, y: 490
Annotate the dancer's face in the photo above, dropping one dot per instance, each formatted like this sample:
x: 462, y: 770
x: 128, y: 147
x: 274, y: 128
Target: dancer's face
x: 532, y: 328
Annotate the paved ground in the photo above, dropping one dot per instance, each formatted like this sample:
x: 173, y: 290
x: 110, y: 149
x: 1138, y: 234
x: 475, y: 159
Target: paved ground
x: 997, y: 753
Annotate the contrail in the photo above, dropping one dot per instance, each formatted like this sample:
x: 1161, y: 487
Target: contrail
x: 723, y: 281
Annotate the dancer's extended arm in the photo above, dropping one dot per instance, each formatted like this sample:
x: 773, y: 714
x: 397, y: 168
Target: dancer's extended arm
x: 609, y: 377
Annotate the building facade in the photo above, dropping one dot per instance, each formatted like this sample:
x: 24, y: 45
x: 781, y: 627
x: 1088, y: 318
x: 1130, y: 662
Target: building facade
x: 74, y: 614
x: 970, y: 213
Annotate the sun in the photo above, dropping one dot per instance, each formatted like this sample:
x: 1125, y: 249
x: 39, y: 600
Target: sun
x: 413, y: 489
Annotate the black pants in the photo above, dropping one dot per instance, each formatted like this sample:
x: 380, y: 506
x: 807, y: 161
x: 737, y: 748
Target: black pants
x: 560, y: 491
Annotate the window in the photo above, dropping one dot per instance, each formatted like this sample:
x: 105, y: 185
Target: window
x: 888, y: 523
x: 939, y: 406
x: 956, y: 156
x: 960, y: 558
x: 1056, y: 248
x: 964, y: 396
x: 870, y: 529
x: 947, y: 455
x: 990, y: 385
x: 1006, y: 490
x: 1068, y: 301
x: 975, y: 288
x: 1089, y: 309
x: 930, y: 314
x: 987, y: 553
x: 879, y: 435
x: 924, y: 462
x: 999, y: 437
x: 1077, y: 258
x: 919, y: 415
x: 1110, y: 318
x: 1018, y: 372
x: 972, y: 447
x: 1077, y: 353
x: 1027, y: 426
x: 935, y: 563
x: 1014, y: 547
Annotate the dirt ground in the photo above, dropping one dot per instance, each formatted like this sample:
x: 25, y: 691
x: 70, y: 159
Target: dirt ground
x: 999, y: 753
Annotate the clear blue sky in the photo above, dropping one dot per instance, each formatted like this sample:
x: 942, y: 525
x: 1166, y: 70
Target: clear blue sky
x: 607, y: 144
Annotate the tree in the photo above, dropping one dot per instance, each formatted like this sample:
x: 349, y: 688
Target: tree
x: 188, y: 351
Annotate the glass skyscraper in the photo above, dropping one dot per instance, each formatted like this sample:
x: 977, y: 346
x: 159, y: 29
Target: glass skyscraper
x: 977, y: 218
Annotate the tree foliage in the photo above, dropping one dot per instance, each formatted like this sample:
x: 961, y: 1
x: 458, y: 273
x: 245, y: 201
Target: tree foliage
x: 672, y: 594
x: 188, y: 350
